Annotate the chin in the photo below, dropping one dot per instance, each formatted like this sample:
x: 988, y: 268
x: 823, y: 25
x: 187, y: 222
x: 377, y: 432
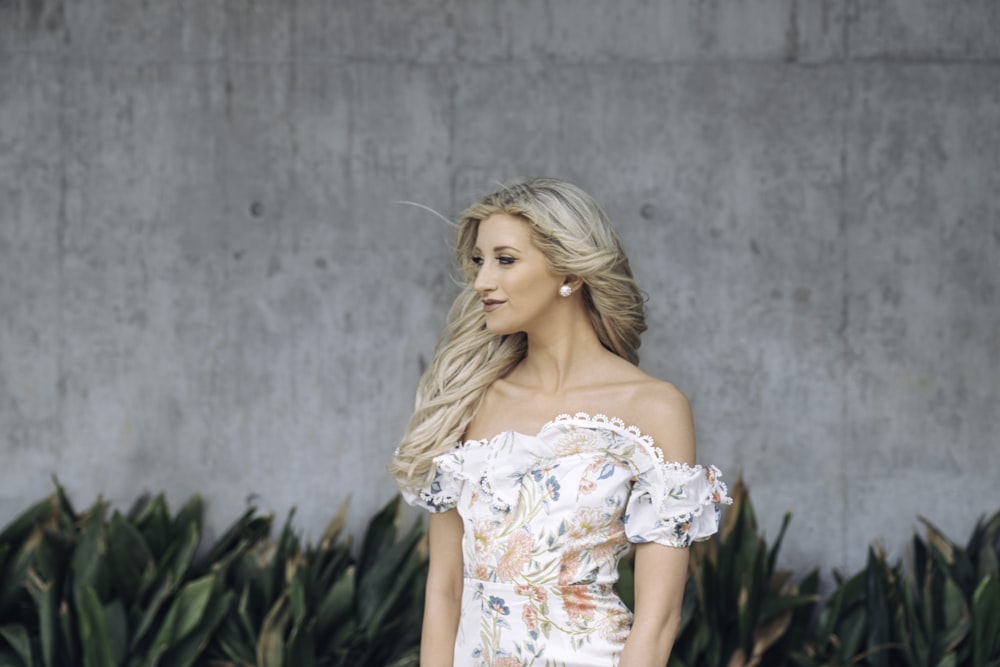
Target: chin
x: 500, y: 329
x: 497, y: 329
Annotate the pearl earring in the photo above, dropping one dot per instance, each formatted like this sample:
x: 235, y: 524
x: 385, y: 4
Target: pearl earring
x: 565, y: 291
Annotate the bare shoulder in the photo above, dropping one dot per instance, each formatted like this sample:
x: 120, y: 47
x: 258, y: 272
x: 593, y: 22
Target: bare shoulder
x: 664, y: 413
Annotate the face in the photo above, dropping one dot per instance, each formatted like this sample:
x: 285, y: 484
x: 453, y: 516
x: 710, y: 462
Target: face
x: 514, y: 279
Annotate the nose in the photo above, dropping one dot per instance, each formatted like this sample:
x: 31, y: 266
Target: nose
x: 484, y: 282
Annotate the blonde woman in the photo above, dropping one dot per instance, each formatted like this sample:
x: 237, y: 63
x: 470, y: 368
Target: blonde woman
x: 542, y: 451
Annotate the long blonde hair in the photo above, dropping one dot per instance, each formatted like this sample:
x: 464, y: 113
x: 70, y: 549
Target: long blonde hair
x: 574, y: 234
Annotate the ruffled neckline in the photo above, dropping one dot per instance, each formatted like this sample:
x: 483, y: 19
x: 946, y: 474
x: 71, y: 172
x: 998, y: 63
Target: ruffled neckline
x: 598, y: 420
x: 488, y: 463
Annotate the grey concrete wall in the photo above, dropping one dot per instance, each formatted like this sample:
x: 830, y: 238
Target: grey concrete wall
x: 208, y: 284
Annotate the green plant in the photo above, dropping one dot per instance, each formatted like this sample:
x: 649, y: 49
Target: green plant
x: 854, y: 625
x: 123, y: 590
x: 105, y: 593
x: 319, y: 606
x: 949, y: 611
x: 943, y: 612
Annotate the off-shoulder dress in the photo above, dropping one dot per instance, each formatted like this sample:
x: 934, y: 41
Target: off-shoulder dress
x: 546, y: 518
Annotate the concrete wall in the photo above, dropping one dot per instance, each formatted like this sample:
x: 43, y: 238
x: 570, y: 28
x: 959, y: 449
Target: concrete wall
x: 208, y: 282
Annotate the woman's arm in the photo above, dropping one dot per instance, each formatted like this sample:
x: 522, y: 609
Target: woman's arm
x: 444, y: 590
x: 660, y: 575
x: 660, y: 571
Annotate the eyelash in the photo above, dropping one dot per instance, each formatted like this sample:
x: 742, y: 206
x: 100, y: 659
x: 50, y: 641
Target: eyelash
x: 504, y: 260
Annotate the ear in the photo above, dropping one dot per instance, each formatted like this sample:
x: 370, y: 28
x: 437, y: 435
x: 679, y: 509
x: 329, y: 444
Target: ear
x: 573, y: 281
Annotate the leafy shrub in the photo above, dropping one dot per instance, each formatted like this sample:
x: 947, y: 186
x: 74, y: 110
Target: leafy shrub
x: 124, y: 590
x: 129, y: 590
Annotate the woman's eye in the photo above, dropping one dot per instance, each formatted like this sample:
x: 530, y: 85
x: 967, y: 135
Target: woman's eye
x: 504, y: 259
x: 478, y: 261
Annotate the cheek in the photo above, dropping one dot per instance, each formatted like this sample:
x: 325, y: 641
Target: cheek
x: 533, y: 284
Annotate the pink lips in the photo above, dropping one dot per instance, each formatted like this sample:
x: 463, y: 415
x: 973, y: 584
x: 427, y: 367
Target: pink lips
x: 489, y: 305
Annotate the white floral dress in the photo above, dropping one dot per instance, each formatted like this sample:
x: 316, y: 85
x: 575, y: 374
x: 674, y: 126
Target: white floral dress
x: 546, y: 519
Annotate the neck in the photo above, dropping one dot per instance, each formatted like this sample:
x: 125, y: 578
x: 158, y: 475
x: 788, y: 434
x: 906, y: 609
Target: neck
x: 562, y: 355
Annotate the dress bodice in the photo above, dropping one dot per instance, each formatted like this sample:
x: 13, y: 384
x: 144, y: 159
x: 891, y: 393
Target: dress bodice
x: 560, y: 507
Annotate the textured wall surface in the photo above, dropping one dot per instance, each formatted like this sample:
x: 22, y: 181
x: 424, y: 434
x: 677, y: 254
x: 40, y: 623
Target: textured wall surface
x: 208, y: 282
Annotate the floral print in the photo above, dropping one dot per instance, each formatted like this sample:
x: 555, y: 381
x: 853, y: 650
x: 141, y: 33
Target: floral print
x: 546, y: 519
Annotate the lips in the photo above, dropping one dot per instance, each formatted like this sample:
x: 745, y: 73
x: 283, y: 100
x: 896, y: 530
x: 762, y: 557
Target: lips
x: 489, y: 305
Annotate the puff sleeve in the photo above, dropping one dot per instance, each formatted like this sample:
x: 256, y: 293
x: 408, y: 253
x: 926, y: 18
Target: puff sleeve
x: 675, y: 504
x: 444, y: 489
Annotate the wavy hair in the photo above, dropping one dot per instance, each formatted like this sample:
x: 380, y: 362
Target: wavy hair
x: 577, y: 239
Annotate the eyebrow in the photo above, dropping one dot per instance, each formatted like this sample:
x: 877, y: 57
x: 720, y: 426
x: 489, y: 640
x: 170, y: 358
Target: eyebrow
x: 502, y: 247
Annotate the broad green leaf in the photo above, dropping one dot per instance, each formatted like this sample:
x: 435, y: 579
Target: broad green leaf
x: 233, y: 642
x: 772, y: 558
x: 940, y: 545
x: 184, y: 614
x: 689, y: 607
x: 412, y: 658
x: 14, y: 575
x: 17, y: 638
x: 330, y: 564
x: 702, y: 640
x: 626, y: 583
x: 988, y: 565
x: 271, y: 644
x: 953, y: 604
x: 190, y: 649
x: 918, y: 642
x: 380, y: 537
x: 380, y: 585
x: 67, y: 514
x: 297, y: 599
x: 130, y: 558
x: 90, y: 565
x: 149, y: 616
x: 778, y: 604
x: 178, y: 556
x: 153, y: 521
x: 41, y: 513
x: 986, y: 621
x: 336, y: 525
x: 117, y: 624
x: 387, y: 611
x: 46, y: 597
x: 9, y: 659
x: 245, y: 532
x: 94, y: 640
x: 68, y: 637
x: 300, y: 650
x: 852, y: 631
x: 247, y: 622
x: 947, y: 641
x: 188, y: 516
x: 879, y: 618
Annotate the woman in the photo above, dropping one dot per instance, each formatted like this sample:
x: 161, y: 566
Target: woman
x: 535, y: 493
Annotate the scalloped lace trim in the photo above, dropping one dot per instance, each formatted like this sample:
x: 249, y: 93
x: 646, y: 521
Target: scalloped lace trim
x: 603, y: 420
x: 631, y: 429
x: 599, y: 419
